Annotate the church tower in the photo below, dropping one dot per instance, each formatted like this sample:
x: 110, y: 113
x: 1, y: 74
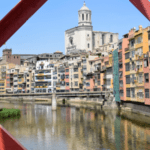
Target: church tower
x: 84, y: 15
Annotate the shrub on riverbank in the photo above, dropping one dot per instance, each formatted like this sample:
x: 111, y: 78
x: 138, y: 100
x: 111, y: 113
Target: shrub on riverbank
x: 6, y: 113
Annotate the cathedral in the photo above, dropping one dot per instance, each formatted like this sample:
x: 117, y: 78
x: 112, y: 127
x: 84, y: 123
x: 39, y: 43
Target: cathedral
x: 83, y: 38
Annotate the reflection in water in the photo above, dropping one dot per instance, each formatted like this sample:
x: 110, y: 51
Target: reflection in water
x: 75, y: 129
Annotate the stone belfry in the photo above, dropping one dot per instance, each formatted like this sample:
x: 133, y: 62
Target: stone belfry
x: 84, y: 15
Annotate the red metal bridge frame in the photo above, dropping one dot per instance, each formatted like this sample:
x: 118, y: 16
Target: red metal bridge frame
x: 17, y: 17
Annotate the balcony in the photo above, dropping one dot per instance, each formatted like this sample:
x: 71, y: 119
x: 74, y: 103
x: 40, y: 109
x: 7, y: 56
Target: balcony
x: 103, y: 69
x: 3, y: 70
x: 126, y: 49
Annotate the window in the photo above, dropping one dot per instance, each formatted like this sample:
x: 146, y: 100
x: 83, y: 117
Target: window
x: 84, y: 61
x: 132, y: 53
x: 120, y: 45
x: 84, y: 69
x: 139, y: 39
x: 67, y: 76
x: 133, y: 65
x: 27, y: 80
x: 146, y: 63
x: 14, y: 56
x: 148, y: 36
x: 75, y: 69
x: 67, y: 83
x: 120, y: 55
x: 55, y: 77
x: 103, y: 39
x: 86, y: 16
x: 132, y: 92
x: 88, y: 45
x: 76, y: 83
x: 120, y: 65
x: 2, y: 84
x: 146, y: 77
x: 149, y: 47
x: 82, y: 17
x: 120, y: 74
x: 67, y: 70
x: 121, y: 83
x: 127, y: 55
x: 140, y: 78
x: 128, y: 79
x: 54, y: 83
x: 127, y: 66
x: 32, y: 84
x: 121, y: 93
x: 8, y: 79
x: 27, y: 85
x: 87, y: 35
x: 108, y: 82
x: 87, y: 84
x: 133, y: 78
x: 146, y: 93
x: 75, y: 76
x: 111, y: 38
x: 98, y: 82
x: 140, y: 95
x: 109, y: 70
x: 132, y: 43
x: 128, y: 92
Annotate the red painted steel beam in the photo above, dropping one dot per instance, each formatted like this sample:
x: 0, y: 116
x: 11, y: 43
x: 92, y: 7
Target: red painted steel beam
x: 143, y: 6
x: 8, y: 142
x: 17, y: 17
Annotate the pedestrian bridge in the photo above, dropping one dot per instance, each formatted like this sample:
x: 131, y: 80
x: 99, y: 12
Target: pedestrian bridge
x: 59, y: 94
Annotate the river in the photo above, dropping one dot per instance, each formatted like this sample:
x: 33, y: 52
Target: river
x: 70, y: 128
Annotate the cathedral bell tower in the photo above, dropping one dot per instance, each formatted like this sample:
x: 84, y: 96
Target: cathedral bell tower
x: 84, y: 15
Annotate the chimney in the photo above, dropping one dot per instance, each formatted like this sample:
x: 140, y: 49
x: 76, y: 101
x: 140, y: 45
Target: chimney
x: 140, y: 27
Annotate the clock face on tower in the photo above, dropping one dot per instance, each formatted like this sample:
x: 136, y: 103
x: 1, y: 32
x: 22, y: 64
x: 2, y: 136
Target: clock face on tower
x: 71, y: 40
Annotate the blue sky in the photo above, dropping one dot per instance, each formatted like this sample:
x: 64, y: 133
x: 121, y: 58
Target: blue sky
x: 44, y: 31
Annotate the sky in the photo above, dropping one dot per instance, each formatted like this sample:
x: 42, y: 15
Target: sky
x: 44, y: 32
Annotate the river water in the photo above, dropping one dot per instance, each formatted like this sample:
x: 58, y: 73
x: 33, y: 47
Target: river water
x: 70, y: 128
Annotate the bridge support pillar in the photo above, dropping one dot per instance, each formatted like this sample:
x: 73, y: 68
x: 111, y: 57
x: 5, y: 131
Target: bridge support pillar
x: 54, y: 103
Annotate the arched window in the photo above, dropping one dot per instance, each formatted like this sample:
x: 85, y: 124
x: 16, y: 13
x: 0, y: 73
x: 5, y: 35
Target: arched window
x: 111, y: 38
x: 86, y: 16
x: 88, y: 45
x: 103, y: 39
x: 82, y: 16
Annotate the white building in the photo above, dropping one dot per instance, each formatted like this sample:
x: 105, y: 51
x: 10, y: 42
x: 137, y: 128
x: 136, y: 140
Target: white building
x: 44, y: 77
x: 83, y: 37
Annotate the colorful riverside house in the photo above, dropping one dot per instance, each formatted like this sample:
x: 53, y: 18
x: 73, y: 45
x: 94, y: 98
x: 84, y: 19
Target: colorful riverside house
x: 129, y: 61
x: 102, y: 71
x: 60, y: 86
x: 146, y: 67
x: 107, y: 72
x: 139, y: 50
x: 2, y: 86
x: 67, y: 78
x: 44, y: 77
x: 122, y: 47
